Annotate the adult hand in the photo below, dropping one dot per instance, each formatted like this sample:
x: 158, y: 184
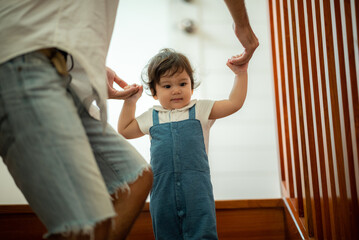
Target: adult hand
x: 243, y: 31
x: 128, y: 90
x: 249, y: 41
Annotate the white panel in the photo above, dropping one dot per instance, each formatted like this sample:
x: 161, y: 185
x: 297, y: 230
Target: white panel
x: 215, y: 12
x: 245, y: 185
x: 10, y: 194
x: 241, y: 158
x: 243, y: 135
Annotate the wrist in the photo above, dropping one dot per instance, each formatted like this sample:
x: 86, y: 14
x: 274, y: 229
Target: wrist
x: 130, y: 102
x: 246, y: 36
x: 240, y: 73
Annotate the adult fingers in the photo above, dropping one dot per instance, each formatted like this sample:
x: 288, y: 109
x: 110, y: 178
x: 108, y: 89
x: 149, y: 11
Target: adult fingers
x: 125, y: 93
x: 241, y: 59
x: 120, y: 81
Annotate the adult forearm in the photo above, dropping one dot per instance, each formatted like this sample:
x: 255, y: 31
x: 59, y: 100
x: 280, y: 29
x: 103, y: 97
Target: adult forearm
x: 237, y: 8
x: 242, y: 30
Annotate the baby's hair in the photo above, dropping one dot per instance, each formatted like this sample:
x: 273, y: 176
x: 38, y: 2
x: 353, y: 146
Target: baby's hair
x: 165, y: 63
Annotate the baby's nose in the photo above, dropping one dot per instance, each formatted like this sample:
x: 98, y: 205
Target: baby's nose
x: 176, y: 90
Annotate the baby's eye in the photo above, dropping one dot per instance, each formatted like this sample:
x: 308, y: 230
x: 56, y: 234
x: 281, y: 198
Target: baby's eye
x: 167, y: 86
x: 183, y: 84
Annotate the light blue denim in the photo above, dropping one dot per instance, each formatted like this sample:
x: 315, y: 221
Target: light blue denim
x: 182, y: 204
x: 60, y: 157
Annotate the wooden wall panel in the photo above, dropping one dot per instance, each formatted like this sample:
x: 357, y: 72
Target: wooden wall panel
x: 315, y: 41
x: 239, y: 219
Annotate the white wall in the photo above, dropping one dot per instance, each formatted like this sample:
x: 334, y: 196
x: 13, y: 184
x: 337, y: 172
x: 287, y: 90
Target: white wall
x: 243, y: 147
x: 243, y: 150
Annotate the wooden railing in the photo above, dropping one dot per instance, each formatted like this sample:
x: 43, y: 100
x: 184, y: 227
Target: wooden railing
x: 315, y: 68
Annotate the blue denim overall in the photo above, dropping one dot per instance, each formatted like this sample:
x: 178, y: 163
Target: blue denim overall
x: 182, y: 203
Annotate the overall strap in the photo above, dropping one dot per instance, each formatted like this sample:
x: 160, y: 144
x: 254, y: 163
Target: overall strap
x: 155, y: 117
x: 192, y: 112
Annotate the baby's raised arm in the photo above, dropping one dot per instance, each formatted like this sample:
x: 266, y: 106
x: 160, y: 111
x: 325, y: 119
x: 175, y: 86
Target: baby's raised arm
x: 237, y: 96
x: 127, y: 125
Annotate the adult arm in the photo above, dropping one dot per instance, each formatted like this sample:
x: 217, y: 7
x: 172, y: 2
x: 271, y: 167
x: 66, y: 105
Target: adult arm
x: 243, y: 31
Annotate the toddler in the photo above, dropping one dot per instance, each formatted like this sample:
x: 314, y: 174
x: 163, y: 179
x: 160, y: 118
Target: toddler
x: 181, y: 201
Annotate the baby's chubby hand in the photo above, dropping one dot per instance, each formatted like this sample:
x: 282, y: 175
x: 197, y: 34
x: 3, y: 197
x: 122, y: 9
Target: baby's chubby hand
x: 237, y: 69
x: 136, y: 95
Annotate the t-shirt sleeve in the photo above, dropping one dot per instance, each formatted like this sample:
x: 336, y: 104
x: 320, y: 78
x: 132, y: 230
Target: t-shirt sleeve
x: 203, y: 110
x: 145, y: 121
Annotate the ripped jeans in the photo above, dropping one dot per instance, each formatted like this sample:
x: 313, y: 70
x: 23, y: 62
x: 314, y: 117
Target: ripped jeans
x: 58, y: 155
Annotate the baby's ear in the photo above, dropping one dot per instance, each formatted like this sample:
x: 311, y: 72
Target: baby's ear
x: 153, y: 94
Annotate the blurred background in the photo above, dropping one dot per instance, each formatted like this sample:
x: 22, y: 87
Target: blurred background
x: 243, y: 147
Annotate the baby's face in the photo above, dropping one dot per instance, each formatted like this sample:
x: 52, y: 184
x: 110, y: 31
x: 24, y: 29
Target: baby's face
x: 174, y: 92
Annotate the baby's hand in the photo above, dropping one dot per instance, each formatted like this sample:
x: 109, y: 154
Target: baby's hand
x: 237, y: 68
x: 136, y: 95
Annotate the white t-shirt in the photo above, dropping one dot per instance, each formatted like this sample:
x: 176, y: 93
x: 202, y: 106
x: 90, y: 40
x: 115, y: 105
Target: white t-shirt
x: 203, y: 110
x: 82, y: 28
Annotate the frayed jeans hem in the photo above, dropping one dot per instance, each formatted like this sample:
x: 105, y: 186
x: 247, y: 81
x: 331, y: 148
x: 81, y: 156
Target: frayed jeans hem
x: 123, y: 186
x: 79, y: 228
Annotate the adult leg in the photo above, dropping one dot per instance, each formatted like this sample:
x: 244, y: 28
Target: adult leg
x: 47, y: 152
x: 101, y: 232
x: 129, y: 204
x: 127, y: 175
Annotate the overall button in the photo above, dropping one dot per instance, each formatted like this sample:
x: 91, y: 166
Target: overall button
x: 180, y: 213
x: 178, y: 184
